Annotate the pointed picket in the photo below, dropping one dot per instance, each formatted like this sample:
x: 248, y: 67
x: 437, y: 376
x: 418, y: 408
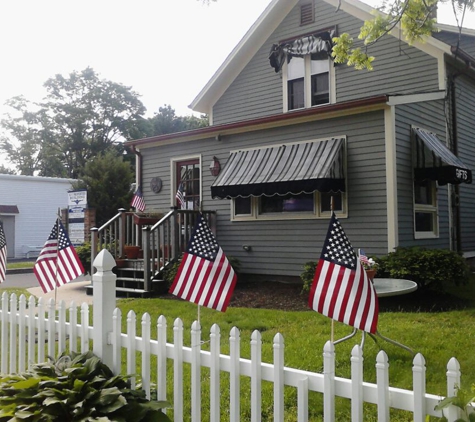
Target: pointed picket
x: 146, y: 329
x: 278, y: 378
x: 329, y: 382
x: 357, y: 384
x: 382, y: 379
x: 196, y: 372
x: 215, y: 392
x: 234, y: 375
x: 256, y: 376
x: 178, y: 370
x: 22, y: 343
x: 13, y: 333
x: 131, y: 356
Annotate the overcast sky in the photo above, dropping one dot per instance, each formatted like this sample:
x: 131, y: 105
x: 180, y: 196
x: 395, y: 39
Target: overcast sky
x: 166, y: 50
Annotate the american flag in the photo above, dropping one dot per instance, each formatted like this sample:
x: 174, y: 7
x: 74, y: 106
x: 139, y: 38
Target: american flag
x: 58, y: 262
x: 3, y: 254
x: 137, y: 201
x: 341, y: 290
x: 205, y: 276
x: 363, y: 258
x: 180, y: 196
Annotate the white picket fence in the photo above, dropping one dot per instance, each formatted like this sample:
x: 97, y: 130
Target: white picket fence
x: 31, y: 332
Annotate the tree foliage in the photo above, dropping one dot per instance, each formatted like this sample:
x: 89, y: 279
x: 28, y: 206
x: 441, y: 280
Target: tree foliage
x: 108, y: 179
x: 166, y: 121
x: 81, y: 117
x: 415, y: 18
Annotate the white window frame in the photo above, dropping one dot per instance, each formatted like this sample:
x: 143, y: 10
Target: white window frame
x: 173, y: 175
x: 431, y: 209
x: 308, y: 85
x: 317, y: 212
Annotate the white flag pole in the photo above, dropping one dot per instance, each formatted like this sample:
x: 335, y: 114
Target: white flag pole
x: 333, y: 321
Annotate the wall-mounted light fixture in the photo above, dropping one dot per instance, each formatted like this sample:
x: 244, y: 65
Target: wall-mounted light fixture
x: 247, y: 248
x: 215, y: 167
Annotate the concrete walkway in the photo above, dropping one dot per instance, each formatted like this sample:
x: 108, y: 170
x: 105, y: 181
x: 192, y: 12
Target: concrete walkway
x: 73, y: 291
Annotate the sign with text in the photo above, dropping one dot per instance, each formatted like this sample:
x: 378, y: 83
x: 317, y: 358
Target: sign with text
x: 77, y: 204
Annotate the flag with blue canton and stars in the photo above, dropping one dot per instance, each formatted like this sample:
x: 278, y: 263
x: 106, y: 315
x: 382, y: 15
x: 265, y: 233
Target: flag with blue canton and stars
x: 341, y: 289
x: 58, y: 262
x: 205, y: 276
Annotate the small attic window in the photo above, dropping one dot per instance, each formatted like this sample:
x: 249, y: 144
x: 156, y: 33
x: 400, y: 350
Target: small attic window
x: 306, y: 13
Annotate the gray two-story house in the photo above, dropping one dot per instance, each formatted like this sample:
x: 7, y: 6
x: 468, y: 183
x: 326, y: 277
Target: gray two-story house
x: 292, y: 135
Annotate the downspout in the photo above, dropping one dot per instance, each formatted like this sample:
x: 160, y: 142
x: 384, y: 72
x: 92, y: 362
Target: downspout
x: 138, y: 166
x: 455, y: 197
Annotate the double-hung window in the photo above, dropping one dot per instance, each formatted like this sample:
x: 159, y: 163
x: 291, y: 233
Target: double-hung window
x: 425, y: 209
x: 302, y: 94
x: 308, y: 83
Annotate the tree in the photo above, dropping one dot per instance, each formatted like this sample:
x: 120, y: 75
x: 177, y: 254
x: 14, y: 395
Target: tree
x: 81, y: 117
x: 6, y: 170
x: 415, y: 17
x: 166, y: 121
x: 108, y: 180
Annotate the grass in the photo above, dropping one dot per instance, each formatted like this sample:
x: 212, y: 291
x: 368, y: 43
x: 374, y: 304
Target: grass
x: 439, y: 325
x: 21, y: 264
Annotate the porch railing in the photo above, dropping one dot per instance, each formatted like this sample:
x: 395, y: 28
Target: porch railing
x: 162, y: 243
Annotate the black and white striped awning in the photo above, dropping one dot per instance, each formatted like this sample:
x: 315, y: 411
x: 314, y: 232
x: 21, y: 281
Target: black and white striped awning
x: 434, y: 161
x: 318, y: 46
x: 293, y: 168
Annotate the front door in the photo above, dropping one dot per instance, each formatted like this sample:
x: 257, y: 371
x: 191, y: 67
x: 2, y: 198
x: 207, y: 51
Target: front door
x: 188, y: 184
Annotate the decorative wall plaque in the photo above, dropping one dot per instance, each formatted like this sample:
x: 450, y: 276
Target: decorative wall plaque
x: 156, y: 184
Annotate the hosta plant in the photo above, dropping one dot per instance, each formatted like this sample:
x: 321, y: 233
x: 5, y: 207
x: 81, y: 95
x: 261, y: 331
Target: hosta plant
x: 77, y: 387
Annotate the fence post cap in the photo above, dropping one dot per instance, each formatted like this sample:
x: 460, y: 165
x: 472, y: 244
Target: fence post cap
x: 104, y: 261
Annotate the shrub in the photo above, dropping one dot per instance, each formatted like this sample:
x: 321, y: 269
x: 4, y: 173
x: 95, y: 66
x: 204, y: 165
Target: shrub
x: 425, y: 266
x: 84, y: 254
x: 308, y: 274
x: 78, y: 387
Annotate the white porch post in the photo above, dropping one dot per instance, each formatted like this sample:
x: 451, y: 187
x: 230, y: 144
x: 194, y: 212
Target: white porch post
x: 104, y: 303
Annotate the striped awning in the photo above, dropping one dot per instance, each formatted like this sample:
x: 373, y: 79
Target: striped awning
x: 292, y: 168
x: 318, y: 46
x: 434, y: 161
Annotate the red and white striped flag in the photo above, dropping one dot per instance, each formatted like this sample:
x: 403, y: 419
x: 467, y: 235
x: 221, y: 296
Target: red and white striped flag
x: 341, y: 290
x: 58, y: 262
x: 137, y: 201
x: 3, y: 254
x: 205, y: 276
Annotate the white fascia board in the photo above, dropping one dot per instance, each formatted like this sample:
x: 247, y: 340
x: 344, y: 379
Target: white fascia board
x: 415, y: 98
x: 265, y: 25
x: 455, y: 29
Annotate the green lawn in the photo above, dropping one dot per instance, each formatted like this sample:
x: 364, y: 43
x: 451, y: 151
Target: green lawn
x: 414, y: 320
x: 440, y: 325
x: 21, y: 264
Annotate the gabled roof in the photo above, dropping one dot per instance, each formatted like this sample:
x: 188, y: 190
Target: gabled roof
x: 265, y: 25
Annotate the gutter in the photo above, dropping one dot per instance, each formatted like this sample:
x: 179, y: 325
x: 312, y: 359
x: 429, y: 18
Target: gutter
x: 281, y: 119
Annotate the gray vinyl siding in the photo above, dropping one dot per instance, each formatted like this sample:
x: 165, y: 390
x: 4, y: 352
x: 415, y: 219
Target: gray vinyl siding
x: 280, y: 248
x: 429, y: 115
x: 465, y: 97
x: 257, y: 91
x: 467, y: 42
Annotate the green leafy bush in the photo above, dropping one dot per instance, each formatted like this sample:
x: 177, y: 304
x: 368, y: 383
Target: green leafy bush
x: 425, y: 266
x: 84, y: 255
x: 308, y: 274
x: 77, y: 387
